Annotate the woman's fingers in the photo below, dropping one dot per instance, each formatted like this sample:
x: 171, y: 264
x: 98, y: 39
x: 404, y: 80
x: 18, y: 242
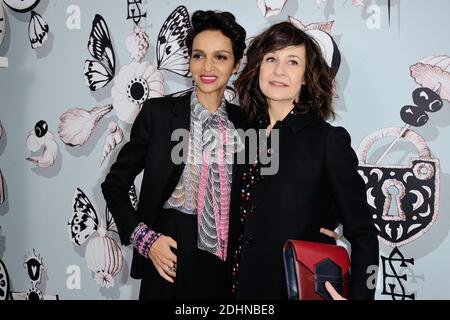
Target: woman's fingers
x: 168, y: 254
x: 163, y: 258
x: 156, y: 259
x: 334, y: 294
x: 169, y: 268
x: 163, y: 270
x: 171, y: 271
x: 164, y: 274
x: 166, y: 261
x: 172, y: 243
x: 167, y: 264
x: 161, y: 248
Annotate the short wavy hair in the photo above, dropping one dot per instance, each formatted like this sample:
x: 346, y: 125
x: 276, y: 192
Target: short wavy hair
x: 224, y: 22
x: 316, y: 95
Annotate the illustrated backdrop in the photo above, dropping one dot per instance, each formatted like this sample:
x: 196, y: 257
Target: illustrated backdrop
x: 74, y: 74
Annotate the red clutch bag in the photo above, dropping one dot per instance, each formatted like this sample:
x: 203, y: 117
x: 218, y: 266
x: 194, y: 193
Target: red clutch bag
x: 308, y: 265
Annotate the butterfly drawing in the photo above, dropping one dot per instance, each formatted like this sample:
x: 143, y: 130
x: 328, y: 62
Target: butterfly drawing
x: 103, y: 254
x: 37, y: 27
x: 171, y: 52
x: 84, y: 221
x: 37, y: 30
x: 99, y: 72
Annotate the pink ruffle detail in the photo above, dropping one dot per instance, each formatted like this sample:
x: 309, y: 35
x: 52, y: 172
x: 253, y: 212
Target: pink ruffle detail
x: 202, y: 188
x: 222, y: 222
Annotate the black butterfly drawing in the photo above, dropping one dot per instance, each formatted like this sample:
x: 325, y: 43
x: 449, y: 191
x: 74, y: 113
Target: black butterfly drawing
x: 99, y: 72
x: 37, y: 30
x: 84, y: 221
x: 171, y: 52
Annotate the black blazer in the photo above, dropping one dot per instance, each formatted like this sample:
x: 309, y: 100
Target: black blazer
x: 149, y: 149
x: 317, y: 185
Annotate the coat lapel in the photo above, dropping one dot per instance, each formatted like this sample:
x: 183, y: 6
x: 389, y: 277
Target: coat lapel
x: 182, y: 112
x: 181, y: 120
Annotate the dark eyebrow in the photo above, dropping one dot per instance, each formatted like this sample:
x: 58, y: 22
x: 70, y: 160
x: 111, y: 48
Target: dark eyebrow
x: 223, y: 51
x: 217, y: 51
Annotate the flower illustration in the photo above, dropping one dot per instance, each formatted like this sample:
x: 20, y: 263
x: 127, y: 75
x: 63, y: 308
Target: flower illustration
x: 135, y: 83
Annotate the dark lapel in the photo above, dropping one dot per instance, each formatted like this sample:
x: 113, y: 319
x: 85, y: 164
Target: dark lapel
x: 236, y: 116
x: 181, y: 110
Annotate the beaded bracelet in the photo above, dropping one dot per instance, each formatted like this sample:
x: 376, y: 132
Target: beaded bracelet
x: 143, y: 238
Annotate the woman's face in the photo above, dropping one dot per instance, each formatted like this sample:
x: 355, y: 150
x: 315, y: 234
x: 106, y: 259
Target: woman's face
x: 282, y: 74
x: 212, y: 62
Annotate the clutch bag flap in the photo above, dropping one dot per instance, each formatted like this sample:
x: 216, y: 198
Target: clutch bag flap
x: 308, y: 265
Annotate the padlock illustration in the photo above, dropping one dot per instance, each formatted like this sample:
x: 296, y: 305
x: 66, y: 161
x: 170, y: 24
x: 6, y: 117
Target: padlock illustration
x: 403, y: 199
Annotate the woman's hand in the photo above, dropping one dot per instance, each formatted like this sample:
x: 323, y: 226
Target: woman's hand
x: 334, y: 294
x: 164, y: 260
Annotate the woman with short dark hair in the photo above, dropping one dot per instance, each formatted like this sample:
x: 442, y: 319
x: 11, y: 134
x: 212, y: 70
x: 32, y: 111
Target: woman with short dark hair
x: 180, y: 230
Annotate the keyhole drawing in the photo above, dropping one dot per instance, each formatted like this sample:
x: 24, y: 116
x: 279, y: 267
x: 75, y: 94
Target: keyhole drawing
x: 393, y: 191
x: 393, y: 209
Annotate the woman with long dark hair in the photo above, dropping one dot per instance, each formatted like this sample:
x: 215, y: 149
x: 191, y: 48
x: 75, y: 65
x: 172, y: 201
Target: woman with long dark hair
x: 286, y: 86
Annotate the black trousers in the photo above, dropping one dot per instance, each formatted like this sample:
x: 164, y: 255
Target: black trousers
x: 200, y: 274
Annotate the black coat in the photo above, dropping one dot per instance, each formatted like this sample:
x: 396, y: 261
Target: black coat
x: 317, y: 185
x: 149, y: 149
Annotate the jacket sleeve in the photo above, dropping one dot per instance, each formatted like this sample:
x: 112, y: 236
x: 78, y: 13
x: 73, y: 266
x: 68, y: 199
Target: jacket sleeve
x: 130, y: 162
x: 349, y: 193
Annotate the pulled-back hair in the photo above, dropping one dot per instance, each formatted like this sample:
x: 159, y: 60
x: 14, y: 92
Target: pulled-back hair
x: 316, y: 95
x: 224, y: 22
